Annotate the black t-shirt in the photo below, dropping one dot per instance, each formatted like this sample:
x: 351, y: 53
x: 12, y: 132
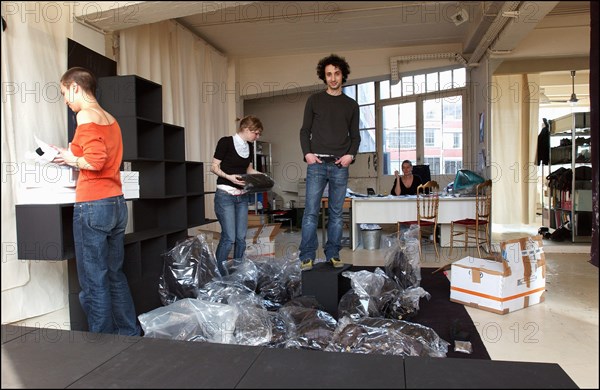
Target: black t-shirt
x: 231, y: 162
x: 407, y: 191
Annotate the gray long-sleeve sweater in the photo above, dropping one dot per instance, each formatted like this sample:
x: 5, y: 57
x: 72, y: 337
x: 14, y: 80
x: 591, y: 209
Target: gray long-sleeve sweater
x: 330, y: 125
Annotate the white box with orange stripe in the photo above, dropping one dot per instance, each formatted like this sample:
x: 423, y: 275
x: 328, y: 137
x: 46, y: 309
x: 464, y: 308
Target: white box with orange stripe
x: 514, y: 280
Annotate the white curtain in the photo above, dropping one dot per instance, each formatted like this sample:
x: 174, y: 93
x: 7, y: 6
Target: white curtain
x: 513, y: 146
x: 193, y: 76
x: 33, y: 59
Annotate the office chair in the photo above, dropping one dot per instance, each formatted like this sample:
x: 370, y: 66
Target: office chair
x: 423, y: 172
x: 479, y: 227
x: 428, y: 202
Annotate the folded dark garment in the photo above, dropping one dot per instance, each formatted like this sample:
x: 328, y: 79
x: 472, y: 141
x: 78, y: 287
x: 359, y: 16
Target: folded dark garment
x: 257, y: 182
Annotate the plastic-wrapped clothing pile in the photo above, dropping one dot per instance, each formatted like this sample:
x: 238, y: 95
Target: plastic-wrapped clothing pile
x: 258, y: 303
x: 391, y: 293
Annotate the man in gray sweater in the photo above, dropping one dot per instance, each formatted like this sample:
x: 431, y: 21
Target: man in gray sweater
x: 329, y: 138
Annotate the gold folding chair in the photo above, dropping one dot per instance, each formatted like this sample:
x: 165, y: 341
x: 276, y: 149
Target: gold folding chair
x: 477, y: 228
x: 428, y: 202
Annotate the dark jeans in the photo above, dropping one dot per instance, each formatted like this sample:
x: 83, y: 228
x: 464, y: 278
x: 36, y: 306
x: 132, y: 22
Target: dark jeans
x: 232, y: 213
x: 317, y: 177
x: 99, y: 232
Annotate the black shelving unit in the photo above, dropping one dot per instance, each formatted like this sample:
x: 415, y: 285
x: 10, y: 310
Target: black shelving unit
x: 171, y: 189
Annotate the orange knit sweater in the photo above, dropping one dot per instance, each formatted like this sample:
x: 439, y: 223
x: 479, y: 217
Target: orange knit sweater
x: 102, y: 148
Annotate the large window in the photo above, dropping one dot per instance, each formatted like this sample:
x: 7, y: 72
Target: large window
x: 421, y: 119
x: 364, y: 94
x: 399, y: 133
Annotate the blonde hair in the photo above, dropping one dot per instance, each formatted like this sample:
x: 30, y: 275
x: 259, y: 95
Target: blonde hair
x: 251, y: 122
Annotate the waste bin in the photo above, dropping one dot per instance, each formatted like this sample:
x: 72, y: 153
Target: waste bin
x: 371, y: 239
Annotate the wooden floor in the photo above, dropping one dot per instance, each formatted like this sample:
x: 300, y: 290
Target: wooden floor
x: 52, y: 358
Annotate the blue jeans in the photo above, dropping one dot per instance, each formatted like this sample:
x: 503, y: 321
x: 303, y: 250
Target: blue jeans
x: 317, y: 177
x: 232, y: 213
x: 99, y: 233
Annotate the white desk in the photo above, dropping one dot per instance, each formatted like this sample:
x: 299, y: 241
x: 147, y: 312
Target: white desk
x: 392, y: 209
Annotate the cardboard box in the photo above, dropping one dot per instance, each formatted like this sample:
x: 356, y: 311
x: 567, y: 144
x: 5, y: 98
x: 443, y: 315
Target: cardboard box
x: 260, y: 241
x: 512, y: 281
x: 256, y: 220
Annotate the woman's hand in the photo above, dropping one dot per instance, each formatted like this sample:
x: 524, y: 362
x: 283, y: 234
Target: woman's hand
x: 64, y: 157
x: 396, y: 173
x: 235, y: 179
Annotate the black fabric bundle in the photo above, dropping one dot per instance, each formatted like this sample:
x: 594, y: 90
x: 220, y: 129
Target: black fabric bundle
x: 257, y: 182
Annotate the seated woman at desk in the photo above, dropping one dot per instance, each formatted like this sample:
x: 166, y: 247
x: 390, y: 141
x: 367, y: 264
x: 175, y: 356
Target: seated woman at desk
x: 407, y: 183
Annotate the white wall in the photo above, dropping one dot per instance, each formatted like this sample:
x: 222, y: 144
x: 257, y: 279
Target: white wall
x: 286, y: 74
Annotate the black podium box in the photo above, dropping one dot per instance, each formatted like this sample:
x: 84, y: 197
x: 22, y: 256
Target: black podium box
x: 326, y: 284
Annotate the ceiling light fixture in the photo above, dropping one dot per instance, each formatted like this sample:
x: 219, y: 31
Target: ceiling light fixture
x: 460, y: 17
x: 573, y: 99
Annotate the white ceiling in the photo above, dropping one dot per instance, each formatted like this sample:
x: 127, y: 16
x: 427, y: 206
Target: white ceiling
x: 264, y: 29
x: 261, y: 28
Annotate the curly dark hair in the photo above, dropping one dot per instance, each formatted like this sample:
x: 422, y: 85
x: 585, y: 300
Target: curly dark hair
x: 338, y: 62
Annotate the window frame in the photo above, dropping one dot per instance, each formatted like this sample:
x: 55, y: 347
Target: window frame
x: 418, y: 98
x: 420, y: 131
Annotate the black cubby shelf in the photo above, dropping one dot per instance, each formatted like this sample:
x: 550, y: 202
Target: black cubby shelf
x: 174, y: 143
x: 159, y: 179
x: 165, y: 213
x: 131, y: 96
x: 45, y: 231
x: 194, y: 177
x: 195, y: 205
x: 142, y: 139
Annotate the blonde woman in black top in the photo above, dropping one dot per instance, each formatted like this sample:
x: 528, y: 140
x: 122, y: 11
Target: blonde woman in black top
x: 233, y: 158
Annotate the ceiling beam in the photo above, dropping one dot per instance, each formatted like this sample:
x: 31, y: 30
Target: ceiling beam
x: 521, y: 22
x: 113, y: 16
x: 492, y: 33
x: 483, y: 14
x: 537, y: 65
